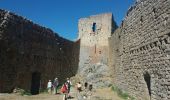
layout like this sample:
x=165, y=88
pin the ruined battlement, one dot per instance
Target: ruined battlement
x=11, y=18
x=95, y=29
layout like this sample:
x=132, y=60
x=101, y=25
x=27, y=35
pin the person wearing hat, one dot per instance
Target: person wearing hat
x=55, y=85
x=49, y=86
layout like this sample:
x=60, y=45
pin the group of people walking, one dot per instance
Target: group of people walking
x=84, y=92
x=65, y=89
x=53, y=86
x=87, y=87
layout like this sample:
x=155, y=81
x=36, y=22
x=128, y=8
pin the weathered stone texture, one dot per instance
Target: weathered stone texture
x=93, y=33
x=27, y=49
x=139, y=51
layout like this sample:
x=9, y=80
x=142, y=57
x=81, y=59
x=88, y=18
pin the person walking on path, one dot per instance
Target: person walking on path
x=85, y=86
x=90, y=87
x=68, y=86
x=55, y=85
x=79, y=87
x=49, y=86
x=64, y=90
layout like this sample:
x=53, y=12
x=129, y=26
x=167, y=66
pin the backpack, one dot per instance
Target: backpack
x=64, y=88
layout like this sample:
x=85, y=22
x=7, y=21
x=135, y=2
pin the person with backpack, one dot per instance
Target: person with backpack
x=55, y=85
x=64, y=90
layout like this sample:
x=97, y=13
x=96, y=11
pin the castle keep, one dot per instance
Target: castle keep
x=135, y=56
x=93, y=33
x=94, y=47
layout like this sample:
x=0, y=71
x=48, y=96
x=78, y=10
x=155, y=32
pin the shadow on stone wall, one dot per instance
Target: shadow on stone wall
x=141, y=44
x=27, y=48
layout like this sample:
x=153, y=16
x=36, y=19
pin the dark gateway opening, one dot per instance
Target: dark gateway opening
x=35, y=84
x=148, y=82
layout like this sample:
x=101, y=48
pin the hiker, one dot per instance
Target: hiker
x=64, y=90
x=49, y=86
x=89, y=91
x=79, y=87
x=90, y=87
x=86, y=85
x=55, y=85
x=68, y=86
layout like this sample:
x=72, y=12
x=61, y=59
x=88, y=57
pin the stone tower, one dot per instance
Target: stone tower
x=93, y=34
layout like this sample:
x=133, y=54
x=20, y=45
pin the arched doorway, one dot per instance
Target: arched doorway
x=35, y=84
x=147, y=79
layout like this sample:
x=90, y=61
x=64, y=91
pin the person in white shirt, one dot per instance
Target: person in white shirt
x=49, y=86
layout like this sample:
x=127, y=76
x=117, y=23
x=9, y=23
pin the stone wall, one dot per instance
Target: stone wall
x=30, y=54
x=140, y=51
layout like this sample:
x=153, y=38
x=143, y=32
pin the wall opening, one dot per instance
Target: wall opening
x=154, y=10
x=95, y=48
x=94, y=27
x=141, y=19
x=35, y=84
x=148, y=82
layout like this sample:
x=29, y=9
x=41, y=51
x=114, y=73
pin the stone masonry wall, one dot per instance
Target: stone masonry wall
x=93, y=34
x=94, y=44
x=140, y=51
x=30, y=55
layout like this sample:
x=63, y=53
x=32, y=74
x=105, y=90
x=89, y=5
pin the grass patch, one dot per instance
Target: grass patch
x=122, y=94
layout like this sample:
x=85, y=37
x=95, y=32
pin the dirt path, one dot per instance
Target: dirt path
x=99, y=94
x=34, y=97
x=106, y=94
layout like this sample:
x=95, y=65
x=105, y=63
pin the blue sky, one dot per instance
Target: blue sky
x=62, y=15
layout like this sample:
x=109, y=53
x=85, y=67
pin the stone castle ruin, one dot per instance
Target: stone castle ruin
x=30, y=54
x=135, y=56
x=94, y=32
x=140, y=51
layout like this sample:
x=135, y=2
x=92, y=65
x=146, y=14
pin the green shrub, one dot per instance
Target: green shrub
x=121, y=93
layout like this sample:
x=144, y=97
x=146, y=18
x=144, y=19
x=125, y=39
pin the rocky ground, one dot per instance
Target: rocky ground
x=99, y=94
x=97, y=74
